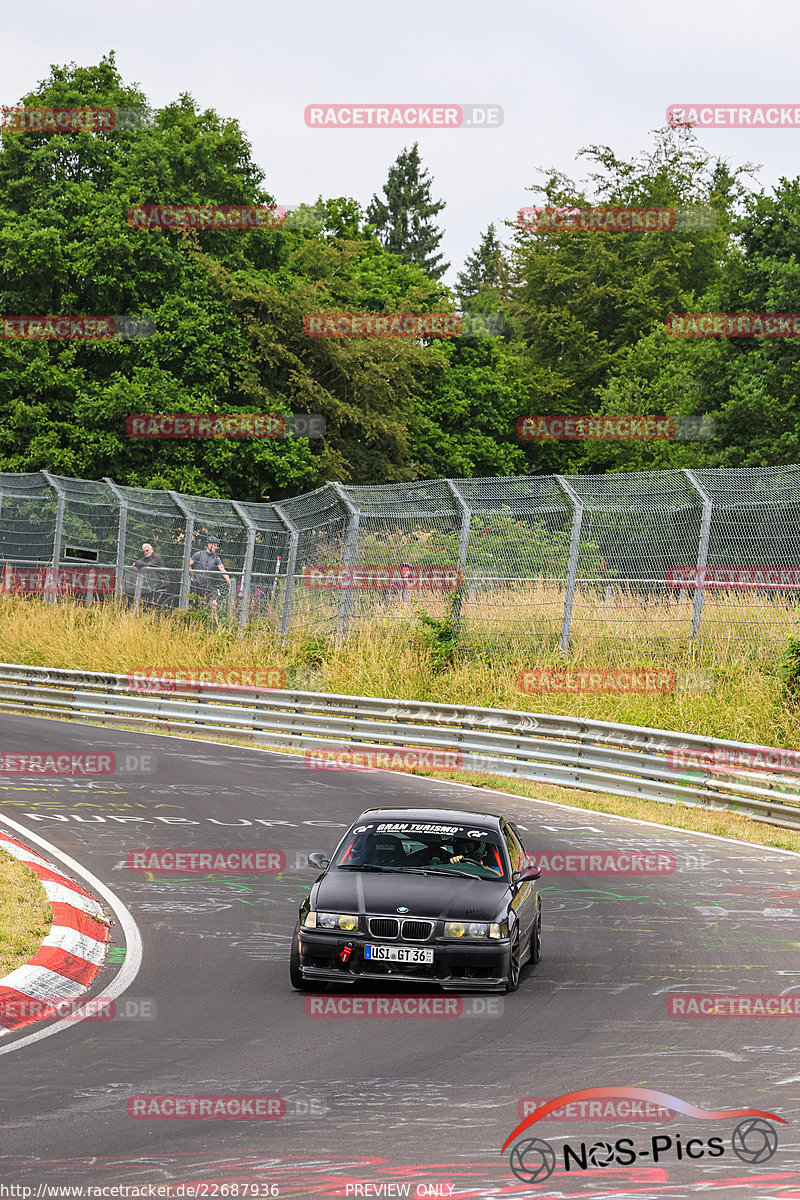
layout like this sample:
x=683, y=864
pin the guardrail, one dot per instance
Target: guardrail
x=625, y=760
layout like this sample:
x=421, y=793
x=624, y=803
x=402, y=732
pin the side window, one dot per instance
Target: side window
x=515, y=851
x=518, y=836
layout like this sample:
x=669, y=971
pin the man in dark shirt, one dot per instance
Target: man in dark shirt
x=203, y=564
x=151, y=565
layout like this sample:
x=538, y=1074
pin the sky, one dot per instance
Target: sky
x=565, y=75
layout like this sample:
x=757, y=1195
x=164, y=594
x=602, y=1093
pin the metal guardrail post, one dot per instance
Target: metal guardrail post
x=702, y=548
x=572, y=565
x=122, y=533
x=463, y=548
x=351, y=551
x=247, y=573
x=50, y=594
x=183, y=598
x=291, y=565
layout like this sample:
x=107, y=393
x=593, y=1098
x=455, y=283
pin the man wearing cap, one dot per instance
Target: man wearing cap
x=202, y=564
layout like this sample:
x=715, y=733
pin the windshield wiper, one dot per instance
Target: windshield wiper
x=366, y=867
x=458, y=874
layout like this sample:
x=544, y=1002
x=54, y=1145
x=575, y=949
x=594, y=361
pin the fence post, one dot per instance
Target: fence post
x=291, y=565
x=702, y=548
x=122, y=533
x=183, y=598
x=58, y=534
x=463, y=548
x=351, y=550
x=572, y=565
x=247, y=573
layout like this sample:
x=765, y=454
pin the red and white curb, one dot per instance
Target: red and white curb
x=70, y=956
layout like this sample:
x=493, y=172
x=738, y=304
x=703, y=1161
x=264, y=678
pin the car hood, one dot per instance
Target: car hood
x=432, y=896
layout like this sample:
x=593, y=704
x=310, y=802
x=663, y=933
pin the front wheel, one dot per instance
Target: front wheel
x=512, y=979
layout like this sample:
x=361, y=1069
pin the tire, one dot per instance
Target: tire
x=514, y=964
x=295, y=973
x=536, y=939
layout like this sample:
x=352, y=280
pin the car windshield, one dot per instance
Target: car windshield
x=453, y=850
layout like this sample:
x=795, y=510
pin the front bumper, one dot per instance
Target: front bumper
x=456, y=967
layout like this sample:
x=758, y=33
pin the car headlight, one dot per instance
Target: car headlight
x=472, y=929
x=321, y=920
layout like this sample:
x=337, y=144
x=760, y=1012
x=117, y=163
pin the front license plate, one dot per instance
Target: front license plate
x=405, y=954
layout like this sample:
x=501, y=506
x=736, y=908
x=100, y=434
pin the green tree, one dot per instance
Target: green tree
x=747, y=386
x=584, y=300
x=228, y=309
x=479, y=284
x=404, y=222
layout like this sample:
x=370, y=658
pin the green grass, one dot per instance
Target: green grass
x=25, y=913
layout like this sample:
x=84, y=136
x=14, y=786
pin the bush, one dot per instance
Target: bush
x=790, y=670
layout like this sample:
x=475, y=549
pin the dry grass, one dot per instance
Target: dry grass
x=25, y=913
x=390, y=656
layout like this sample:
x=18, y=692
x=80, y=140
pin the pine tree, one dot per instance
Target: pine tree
x=481, y=269
x=404, y=223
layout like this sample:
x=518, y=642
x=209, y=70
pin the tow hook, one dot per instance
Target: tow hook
x=345, y=952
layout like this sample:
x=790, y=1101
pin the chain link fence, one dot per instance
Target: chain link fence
x=544, y=559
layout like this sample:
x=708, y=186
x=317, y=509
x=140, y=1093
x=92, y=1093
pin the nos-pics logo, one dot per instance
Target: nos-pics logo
x=533, y=1160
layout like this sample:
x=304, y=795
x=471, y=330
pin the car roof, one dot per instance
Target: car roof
x=433, y=815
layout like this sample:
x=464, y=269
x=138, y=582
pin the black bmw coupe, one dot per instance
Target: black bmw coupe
x=421, y=896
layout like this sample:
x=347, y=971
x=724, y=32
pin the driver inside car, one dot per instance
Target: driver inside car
x=478, y=852
x=456, y=851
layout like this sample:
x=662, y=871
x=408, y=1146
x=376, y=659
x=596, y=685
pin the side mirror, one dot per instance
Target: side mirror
x=318, y=859
x=525, y=874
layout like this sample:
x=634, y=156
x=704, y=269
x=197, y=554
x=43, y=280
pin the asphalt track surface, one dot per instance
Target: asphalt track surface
x=422, y=1104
